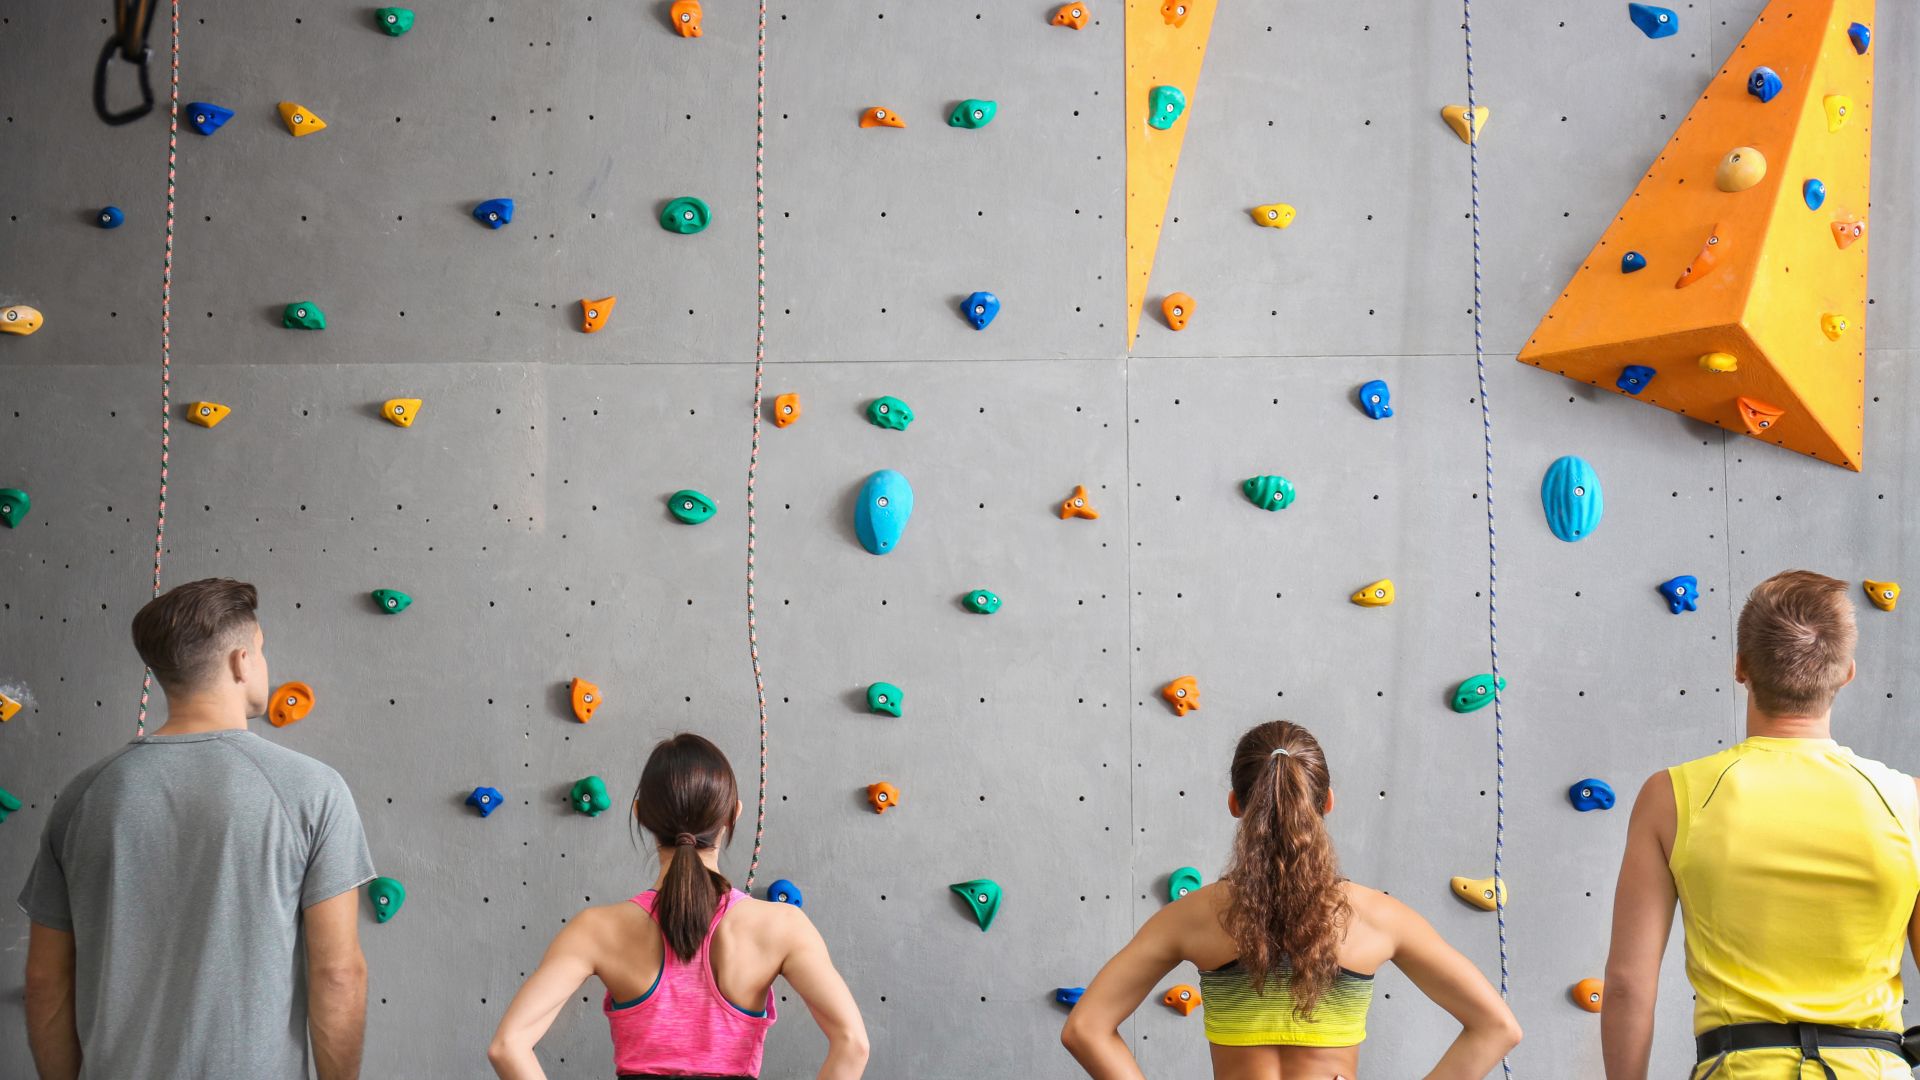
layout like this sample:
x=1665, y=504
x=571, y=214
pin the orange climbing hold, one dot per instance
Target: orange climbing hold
x=1847, y=230
x=786, y=409
x=1756, y=415
x=1077, y=505
x=881, y=116
x=1178, y=308
x=883, y=796
x=1703, y=263
x=290, y=703
x=1183, y=694
x=1071, y=16
x=1182, y=999
x=206, y=413
x=1587, y=994
x=9, y=708
x=299, y=120
x=586, y=699
x=686, y=17
x=1175, y=12
x=593, y=313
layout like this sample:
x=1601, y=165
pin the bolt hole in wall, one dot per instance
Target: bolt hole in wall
x=1219, y=457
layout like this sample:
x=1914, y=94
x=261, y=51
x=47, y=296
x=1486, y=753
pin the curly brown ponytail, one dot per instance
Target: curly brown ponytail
x=1286, y=905
x=687, y=799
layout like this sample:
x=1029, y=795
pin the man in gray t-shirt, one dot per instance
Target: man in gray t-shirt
x=194, y=902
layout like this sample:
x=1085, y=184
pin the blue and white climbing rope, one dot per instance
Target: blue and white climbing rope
x=753, y=459
x=1493, y=547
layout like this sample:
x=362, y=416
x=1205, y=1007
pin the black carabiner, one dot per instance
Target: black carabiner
x=132, y=20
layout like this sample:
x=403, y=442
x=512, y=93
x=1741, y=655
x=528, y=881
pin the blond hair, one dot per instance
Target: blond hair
x=1796, y=642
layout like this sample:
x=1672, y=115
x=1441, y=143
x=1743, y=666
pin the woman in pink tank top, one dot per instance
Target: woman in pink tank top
x=689, y=964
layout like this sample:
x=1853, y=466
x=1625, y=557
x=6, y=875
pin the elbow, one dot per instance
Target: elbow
x=347, y=975
x=1075, y=1036
x=500, y=1051
x=1509, y=1034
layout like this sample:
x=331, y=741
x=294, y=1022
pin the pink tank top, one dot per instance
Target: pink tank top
x=684, y=1025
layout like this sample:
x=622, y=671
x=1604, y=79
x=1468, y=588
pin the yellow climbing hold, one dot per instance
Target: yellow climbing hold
x=300, y=120
x=401, y=411
x=1456, y=118
x=1833, y=325
x=20, y=319
x=1273, y=215
x=1378, y=594
x=9, y=708
x=1884, y=594
x=1480, y=892
x=1719, y=361
x=1838, y=106
x=206, y=413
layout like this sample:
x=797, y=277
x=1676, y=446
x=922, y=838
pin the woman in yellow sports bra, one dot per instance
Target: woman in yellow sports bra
x=1286, y=947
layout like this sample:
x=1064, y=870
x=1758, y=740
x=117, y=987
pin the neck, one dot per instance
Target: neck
x=1788, y=727
x=710, y=857
x=197, y=714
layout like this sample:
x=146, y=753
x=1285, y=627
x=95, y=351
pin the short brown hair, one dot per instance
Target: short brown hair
x=185, y=632
x=1796, y=642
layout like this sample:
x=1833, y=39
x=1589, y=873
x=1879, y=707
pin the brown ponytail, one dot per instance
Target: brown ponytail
x=687, y=799
x=1285, y=902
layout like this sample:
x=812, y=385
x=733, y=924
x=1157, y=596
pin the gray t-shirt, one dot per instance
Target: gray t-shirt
x=181, y=865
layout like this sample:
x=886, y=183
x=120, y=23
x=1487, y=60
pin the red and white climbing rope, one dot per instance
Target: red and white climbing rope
x=166, y=342
x=753, y=459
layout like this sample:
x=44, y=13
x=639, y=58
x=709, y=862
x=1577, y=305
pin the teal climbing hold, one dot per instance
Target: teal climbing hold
x=1570, y=495
x=394, y=20
x=972, y=113
x=392, y=601
x=8, y=804
x=884, y=697
x=589, y=796
x=14, y=505
x=1184, y=880
x=1268, y=492
x=1164, y=106
x=890, y=413
x=685, y=215
x=1475, y=693
x=690, y=506
x=387, y=895
x=982, y=602
x=303, y=315
x=983, y=896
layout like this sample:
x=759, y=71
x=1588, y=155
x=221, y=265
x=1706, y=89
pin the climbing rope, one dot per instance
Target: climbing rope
x=753, y=459
x=1493, y=547
x=166, y=345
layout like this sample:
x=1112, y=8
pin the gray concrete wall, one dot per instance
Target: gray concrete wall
x=524, y=511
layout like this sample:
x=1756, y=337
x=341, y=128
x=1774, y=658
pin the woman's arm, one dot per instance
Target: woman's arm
x=810, y=971
x=1487, y=1027
x=568, y=964
x=1092, y=1032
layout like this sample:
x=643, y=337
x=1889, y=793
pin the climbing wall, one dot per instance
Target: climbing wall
x=525, y=510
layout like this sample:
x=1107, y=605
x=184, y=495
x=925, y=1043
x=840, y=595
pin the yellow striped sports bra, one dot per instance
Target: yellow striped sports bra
x=1237, y=1016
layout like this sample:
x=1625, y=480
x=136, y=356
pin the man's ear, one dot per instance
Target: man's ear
x=1739, y=671
x=1853, y=668
x=237, y=664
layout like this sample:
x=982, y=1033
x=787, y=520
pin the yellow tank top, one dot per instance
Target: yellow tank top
x=1797, y=869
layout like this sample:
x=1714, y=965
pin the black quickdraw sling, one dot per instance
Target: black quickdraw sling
x=131, y=20
x=1809, y=1039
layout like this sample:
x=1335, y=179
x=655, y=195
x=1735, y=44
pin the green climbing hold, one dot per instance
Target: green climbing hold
x=1475, y=693
x=1164, y=106
x=690, y=506
x=890, y=413
x=14, y=505
x=1184, y=880
x=392, y=601
x=982, y=602
x=685, y=215
x=589, y=796
x=1269, y=492
x=884, y=697
x=394, y=20
x=303, y=315
x=8, y=804
x=972, y=113
x=983, y=896
x=387, y=895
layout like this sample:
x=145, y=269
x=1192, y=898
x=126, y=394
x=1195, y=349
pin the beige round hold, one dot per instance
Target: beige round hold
x=1742, y=168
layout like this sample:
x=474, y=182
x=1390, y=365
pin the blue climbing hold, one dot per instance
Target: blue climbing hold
x=1591, y=794
x=1632, y=261
x=206, y=118
x=1815, y=192
x=111, y=217
x=980, y=309
x=1634, y=378
x=1682, y=593
x=1655, y=22
x=786, y=892
x=486, y=800
x=886, y=502
x=1861, y=36
x=494, y=212
x=1069, y=995
x=1570, y=494
x=1764, y=83
x=1377, y=399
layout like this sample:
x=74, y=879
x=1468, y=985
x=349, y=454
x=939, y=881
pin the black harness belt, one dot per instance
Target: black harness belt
x=1809, y=1039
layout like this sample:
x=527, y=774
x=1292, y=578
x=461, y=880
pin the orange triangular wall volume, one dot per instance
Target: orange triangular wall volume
x=1166, y=43
x=1777, y=270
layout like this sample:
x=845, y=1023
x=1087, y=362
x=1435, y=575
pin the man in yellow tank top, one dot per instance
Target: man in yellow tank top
x=1796, y=866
